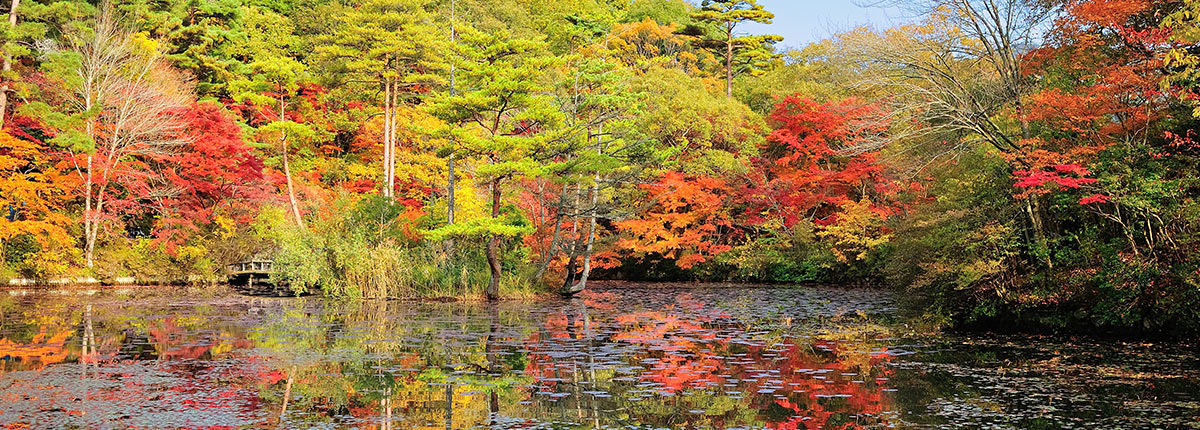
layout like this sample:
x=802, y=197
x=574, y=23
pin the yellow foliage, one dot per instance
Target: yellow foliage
x=857, y=232
x=33, y=190
x=143, y=44
x=1182, y=60
x=645, y=44
x=191, y=252
x=226, y=226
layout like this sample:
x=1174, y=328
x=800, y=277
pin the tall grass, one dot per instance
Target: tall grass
x=366, y=249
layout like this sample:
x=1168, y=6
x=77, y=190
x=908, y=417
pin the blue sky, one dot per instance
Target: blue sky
x=802, y=22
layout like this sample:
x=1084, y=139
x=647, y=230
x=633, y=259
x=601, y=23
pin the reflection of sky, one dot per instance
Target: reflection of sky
x=802, y=22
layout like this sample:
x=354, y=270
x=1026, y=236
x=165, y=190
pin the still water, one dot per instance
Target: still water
x=627, y=358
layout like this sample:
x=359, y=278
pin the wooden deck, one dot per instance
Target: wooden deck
x=253, y=278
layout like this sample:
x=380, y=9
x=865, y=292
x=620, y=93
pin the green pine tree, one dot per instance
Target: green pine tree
x=741, y=54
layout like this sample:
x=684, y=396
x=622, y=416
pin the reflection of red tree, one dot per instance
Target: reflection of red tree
x=689, y=347
x=669, y=337
x=170, y=342
x=174, y=343
x=543, y=367
x=195, y=388
x=818, y=383
x=595, y=300
x=825, y=386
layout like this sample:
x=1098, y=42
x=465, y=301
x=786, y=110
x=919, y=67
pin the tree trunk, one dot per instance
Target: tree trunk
x=1033, y=208
x=387, y=137
x=573, y=250
x=1025, y=130
x=7, y=67
x=287, y=393
x=587, y=252
x=729, y=63
x=552, y=250
x=556, y=238
x=89, y=215
x=287, y=173
x=493, y=247
x=287, y=169
x=94, y=233
x=449, y=404
x=450, y=186
x=592, y=214
x=392, y=145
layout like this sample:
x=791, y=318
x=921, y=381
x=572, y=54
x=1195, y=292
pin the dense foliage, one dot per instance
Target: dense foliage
x=1014, y=159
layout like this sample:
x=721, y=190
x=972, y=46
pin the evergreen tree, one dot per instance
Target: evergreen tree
x=504, y=116
x=389, y=50
x=741, y=54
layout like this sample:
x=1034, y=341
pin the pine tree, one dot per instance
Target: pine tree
x=741, y=54
x=391, y=50
x=504, y=117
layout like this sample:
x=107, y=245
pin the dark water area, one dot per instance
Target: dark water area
x=671, y=358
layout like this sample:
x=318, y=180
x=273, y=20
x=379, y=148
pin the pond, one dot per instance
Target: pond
x=627, y=357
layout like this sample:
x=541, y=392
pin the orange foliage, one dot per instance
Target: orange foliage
x=44, y=348
x=32, y=193
x=688, y=222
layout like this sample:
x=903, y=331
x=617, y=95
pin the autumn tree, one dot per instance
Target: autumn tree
x=741, y=53
x=121, y=102
x=1114, y=54
x=688, y=221
x=961, y=67
x=32, y=195
x=1183, y=60
x=820, y=157
x=962, y=75
x=1101, y=167
x=194, y=192
x=645, y=44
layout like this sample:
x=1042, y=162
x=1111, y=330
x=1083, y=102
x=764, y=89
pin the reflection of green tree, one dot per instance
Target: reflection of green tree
x=351, y=358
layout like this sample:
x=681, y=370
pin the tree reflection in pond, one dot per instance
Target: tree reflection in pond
x=655, y=358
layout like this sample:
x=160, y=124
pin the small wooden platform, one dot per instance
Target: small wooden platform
x=253, y=277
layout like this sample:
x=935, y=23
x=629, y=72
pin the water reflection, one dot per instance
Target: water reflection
x=657, y=358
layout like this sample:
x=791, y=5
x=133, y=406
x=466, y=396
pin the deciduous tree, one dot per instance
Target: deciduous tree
x=214, y=177
x=688, y=221
x=122, y=103
x=32, y=194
